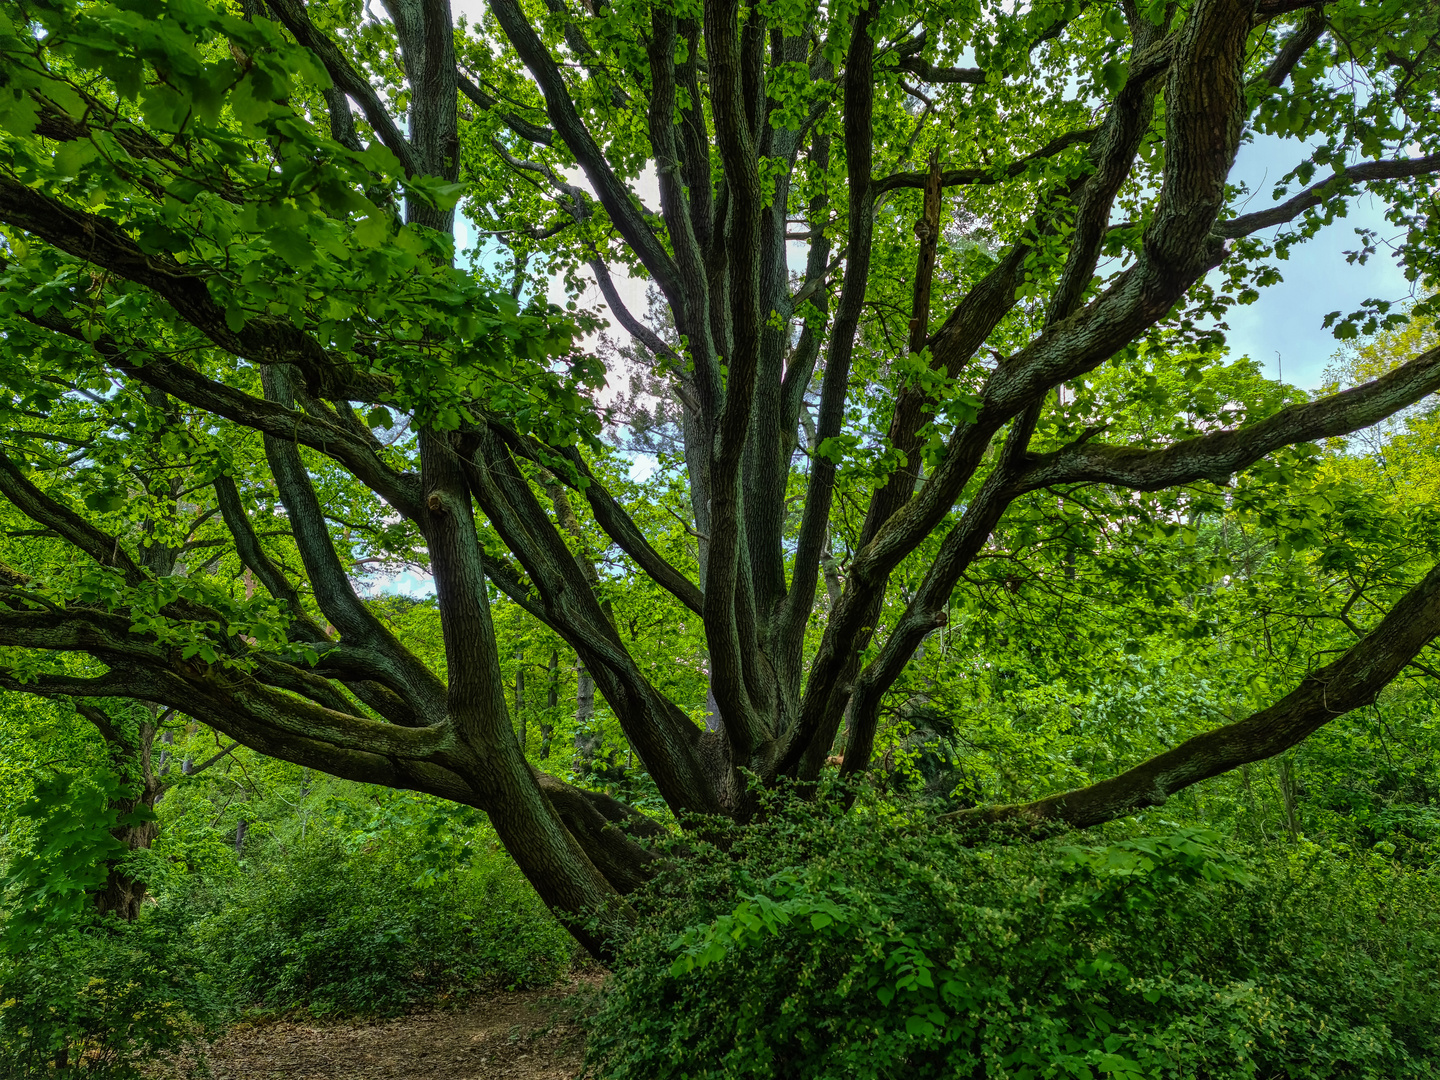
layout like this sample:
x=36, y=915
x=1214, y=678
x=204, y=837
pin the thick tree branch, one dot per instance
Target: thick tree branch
x=534, y=133
x=731, y=633
x=1307, y=33
x=1351, y=682
x=664, y=738
x=665, y=139
x=333, y=592
x=834, y=387
x=476, y=689
x=265, y=339
x=356, y=453
x=613, y=195
x=64, y=522
x=253, y=556
x=609, y=514
x=1219, y=455
x=982, y=174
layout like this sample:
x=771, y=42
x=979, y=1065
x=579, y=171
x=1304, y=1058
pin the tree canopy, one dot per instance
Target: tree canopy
x=939, y=301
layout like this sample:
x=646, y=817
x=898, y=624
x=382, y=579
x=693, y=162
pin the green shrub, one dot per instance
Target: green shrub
x=82, y=995
x=823, y=946
x=336, y=931
x=99, y=1001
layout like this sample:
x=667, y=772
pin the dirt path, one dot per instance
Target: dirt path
x=503, y=1036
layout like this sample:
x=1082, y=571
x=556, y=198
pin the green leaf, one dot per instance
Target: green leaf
x=373, y=230
x=73, y=156
x=104, y=502
x=293, y=246
x=19, y=112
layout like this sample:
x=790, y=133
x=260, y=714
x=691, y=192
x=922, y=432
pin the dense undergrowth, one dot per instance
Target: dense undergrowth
x=874, y=944
x=340, y=919
x=826, y=946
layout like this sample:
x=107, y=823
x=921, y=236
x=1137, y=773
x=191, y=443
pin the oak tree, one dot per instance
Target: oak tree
x=891, y=242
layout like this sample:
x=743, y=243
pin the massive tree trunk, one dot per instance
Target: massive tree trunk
x=758, y=126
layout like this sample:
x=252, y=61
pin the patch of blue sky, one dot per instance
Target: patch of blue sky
x=1285, y=329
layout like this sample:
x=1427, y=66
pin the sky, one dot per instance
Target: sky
x=1284, y=329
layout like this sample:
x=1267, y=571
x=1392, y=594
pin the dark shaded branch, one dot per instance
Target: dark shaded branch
x=1219, y=455
x=425, y=32
x=730, y=621
x=265, y=339
x=272, y=722
x=664, y=737
x=675, y=203
x=1269, y=8
x=941, y=76
x=1336, y=184
x=606, y=829
x=507, y=579
x=613, y=194
x=64, y=522
x=476, y=689
x=800, y=367
x=534, y=133
x=333, y=592
x=356, y=453
x=296, y=19
x=1310, y=30
x=986, y=174
x=609, y=514
x=247, y=546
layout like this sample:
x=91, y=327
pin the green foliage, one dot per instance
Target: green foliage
x=371, y=930
x=52, y=882
x=823, y=946
x=103, y=998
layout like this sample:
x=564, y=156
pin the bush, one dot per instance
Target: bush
x=336, y=931
x=82, y=995
x=817, y=945
x=98, y=1002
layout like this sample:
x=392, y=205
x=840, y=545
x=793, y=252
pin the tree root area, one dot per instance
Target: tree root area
x=531, y=1035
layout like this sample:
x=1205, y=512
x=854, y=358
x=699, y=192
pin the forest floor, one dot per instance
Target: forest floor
x=507, y=1035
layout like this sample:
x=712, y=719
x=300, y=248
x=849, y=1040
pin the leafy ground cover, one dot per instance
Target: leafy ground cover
x=878, y=945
